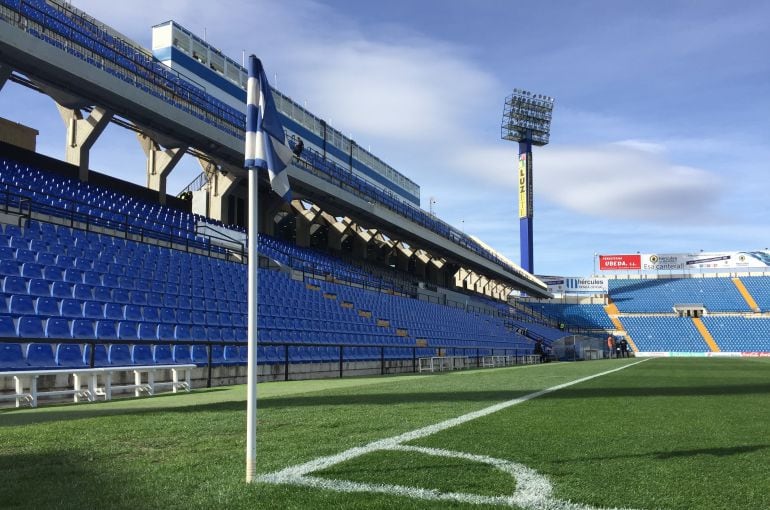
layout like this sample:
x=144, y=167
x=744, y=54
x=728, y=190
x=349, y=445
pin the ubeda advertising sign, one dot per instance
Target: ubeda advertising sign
x=620, y=262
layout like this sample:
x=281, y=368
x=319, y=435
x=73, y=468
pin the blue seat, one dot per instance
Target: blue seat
x=39, y=288
x=114, y=311
x=57, y=327
x=183, y=316
x=213, y=334
x=199, y=355
x=119, y=355
x=105, y=330
x=14, y=285
x=61, y=289
x=69, y=355
x=127, y=330
x=161, y=355
x=51, y=273
x=93, y=310
x=73, y=275
x=232, y=354
x=150, y=314
x=31, y=270
x=182, y=333
x=83, y=329
x=103, y=294
x=148, y=331
x=141, y=354
x=9, y=268
x=30, y=327
x=72, y=308
x=7, y=327
x=21, y=305
x=217, y=355
x=83, y=291
x=182, y=355
x=12, y=357
x=24, y=255
x=40, y=356
x=121, y=296
x=198, y=333
x=133, y=313
x=100, y=356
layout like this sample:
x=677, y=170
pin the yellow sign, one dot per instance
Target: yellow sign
x=524, y=184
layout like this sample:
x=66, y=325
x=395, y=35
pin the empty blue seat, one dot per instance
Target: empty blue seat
x=198, y=333
x=127, y=330
x=100, y=357
x=21, y=305
x=69, y=355
x=39, y=288
x=148, y=331
x=40, y=356
x=24, y=255
x=119, y=355
x=57, y=327
x=73, y=275
x=141, y=355
x=121, y=296
x=83, y=329
x=161, y=355
x=9, y=268
x=11, y=356
x=7, y=327
x=183, y=316
x=114, y=311
x=72, y=308
x=182, y=333
x=105, y=330
x=93, y=310
x=30, y=327
x=14, y=285
x=83, y=291
x=150, y=314
x=103, y=294
x=53, y=273
x=199, y=355
x=61, y=289
x=31, y=270
x=181, y=353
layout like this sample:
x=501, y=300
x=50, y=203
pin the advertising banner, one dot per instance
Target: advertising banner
x=525, y=186
x=685, y=262
x=575, y=285
x=620, y=262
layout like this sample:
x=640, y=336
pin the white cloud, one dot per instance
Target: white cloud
x=630, y=180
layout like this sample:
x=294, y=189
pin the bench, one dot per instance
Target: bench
x=86, y=382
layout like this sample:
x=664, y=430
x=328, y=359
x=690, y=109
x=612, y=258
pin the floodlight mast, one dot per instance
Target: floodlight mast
x=526, y=120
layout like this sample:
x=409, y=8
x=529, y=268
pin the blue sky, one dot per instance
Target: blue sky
x=660, y=139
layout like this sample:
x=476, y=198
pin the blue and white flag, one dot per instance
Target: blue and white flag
x=266, y=147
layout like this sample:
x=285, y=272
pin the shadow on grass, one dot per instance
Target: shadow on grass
x=727, y=451
x=85, y=411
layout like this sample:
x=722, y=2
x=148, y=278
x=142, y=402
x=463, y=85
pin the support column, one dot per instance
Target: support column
x=5, y=73
x=160, y=163
x=403, y=256
x=336, y=232
x=82, y=134
x=526, y=214
x=220, y=182
x=361, y=240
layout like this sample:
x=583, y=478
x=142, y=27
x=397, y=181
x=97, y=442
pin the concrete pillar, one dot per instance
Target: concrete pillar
x=5, y=73
x=403, y=256
x=82, y=134
x=221, y=181
x=361, y=239
x=160, y=163
x=336, y=231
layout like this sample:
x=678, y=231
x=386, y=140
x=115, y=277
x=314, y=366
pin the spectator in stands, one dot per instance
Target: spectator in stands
x=610, y=345
x=298, y=147
x=624, y=348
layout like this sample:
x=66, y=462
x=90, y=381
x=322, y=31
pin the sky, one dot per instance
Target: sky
x=660, y=140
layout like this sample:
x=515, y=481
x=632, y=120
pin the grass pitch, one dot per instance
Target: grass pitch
x=668, y=433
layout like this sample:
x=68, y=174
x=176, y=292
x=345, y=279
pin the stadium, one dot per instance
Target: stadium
x=377, y=355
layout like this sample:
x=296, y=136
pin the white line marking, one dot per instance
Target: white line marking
x=533, y=490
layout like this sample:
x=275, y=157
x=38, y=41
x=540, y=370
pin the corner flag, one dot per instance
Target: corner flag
x=266, y=147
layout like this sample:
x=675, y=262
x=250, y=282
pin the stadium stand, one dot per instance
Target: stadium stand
x=662, y=294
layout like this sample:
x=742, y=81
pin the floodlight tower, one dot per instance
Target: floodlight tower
x=527, y=120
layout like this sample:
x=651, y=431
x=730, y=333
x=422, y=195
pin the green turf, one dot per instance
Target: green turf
x=672, y=433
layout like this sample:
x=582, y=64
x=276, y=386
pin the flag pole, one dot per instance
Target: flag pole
x=251, y=378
